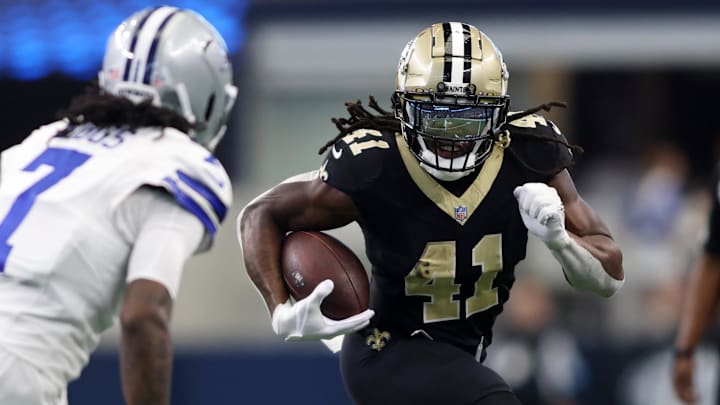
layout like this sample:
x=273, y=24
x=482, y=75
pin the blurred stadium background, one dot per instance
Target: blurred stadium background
x=642, y=79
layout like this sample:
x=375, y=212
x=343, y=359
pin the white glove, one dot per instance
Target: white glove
x=304, y=321
x=543, y=213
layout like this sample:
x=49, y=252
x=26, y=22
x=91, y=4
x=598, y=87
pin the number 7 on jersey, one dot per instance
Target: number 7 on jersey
x=63, y=162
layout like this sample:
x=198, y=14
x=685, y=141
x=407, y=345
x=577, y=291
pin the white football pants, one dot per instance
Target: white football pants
x=23, y=384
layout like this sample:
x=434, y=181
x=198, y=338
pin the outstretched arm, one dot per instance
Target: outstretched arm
x=575, y=235
x=701, y=297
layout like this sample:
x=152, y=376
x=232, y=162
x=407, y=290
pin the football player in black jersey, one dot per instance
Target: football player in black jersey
x=701, y=298
x=445, y=189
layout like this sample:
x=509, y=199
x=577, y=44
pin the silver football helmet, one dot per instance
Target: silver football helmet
x=451, y=92
x=177, y=59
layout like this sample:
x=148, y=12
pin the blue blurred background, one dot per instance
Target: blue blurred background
x=43, y=37
x=642, y=79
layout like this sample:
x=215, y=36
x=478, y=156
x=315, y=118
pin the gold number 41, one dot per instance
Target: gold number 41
x=357, y=147
x=434, y=276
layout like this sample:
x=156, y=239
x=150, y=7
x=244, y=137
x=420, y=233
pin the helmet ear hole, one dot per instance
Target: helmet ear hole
x=171, y=100
x=209, y=108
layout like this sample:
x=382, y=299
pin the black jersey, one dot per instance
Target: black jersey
x=442, y=258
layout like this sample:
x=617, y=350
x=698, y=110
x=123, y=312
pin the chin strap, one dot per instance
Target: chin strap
x=426, y=155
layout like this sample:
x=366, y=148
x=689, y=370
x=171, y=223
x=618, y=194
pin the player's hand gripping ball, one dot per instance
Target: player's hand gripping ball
x=311, y=257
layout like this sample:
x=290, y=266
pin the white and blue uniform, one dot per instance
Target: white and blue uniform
x=81, y=216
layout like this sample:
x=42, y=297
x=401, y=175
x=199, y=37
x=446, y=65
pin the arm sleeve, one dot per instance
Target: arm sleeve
x=163, y=236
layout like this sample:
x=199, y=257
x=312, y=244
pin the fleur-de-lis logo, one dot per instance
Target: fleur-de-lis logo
x=377, y=340
x=322, y=172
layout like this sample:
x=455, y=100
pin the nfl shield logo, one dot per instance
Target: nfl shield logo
x=461, y=213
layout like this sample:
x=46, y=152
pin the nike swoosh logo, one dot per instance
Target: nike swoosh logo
x=336, y=153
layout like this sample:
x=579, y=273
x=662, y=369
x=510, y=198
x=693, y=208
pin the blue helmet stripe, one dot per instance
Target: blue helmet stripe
x=217, y=204
x=190, y=205
x=133, y=43
x=153, y=48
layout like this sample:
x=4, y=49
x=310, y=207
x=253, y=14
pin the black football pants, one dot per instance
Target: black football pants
x=418, y=371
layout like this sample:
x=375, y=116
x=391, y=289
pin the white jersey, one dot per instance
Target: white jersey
x=63, y=258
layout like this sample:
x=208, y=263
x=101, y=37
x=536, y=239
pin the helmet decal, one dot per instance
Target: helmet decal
x=145, y=38
x=150, y=61
x=130, y=54
x=458, y=53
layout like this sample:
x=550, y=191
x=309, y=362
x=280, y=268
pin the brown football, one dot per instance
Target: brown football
x=311, y=257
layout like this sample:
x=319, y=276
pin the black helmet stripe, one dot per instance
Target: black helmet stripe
x=133, y=43
x=447, y=68
x=149, y=65
x=467, y=53
x=458, y=53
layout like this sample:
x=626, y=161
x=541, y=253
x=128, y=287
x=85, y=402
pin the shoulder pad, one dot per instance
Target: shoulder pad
x=537, y=124
x=33, y=144
x=356, y=159
x=43, y=134
x=195, y=178
x=539, y=144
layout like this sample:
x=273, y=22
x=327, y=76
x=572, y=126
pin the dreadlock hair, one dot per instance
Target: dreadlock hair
x=383, y=120
x=103, y=109
x=362, y=118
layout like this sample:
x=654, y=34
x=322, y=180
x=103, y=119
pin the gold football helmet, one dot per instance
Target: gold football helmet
x=451, y=92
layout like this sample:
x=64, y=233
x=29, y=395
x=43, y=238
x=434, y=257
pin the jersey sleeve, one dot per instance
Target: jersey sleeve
x=163, y=236
x=195, y=178
x=539, y=145
x=202, y=188
x=712, y=244
x=355, y=161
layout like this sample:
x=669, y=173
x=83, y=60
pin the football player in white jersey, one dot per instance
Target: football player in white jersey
x=100, y=210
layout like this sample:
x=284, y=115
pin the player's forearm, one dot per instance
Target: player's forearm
x=585, y=263
x=701, y=296
x=606, y=251
x=261, y=240
x=146, y=362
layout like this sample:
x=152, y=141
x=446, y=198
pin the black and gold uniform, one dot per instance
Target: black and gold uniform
x=443, y=256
